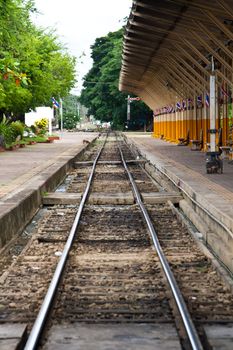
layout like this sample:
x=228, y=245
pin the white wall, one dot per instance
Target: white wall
x=39, y=113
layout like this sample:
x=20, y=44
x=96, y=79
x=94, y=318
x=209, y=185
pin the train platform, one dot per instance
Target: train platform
x=20, y=166
x=210, y=195
x=27, y=171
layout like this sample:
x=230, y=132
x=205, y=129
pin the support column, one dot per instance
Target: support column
x=225, y=122
x=194, y=121
x=213, y=112
x=205, y=125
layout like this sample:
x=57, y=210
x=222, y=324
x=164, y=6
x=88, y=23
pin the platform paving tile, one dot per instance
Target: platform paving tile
x=189, y=169
x=12, y=336
x=183, y=158
x=18, y=168
x=220, y=337
x=113, y=336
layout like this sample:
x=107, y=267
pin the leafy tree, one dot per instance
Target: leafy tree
x=100, y=93
x=33, y=64
x=70, y=111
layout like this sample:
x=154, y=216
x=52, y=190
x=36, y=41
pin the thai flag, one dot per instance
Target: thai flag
x=207, y=100
x=199, y=100
x=170, y=109
x=55, y=103
x=190, y=102
x=224, y=91
x=178, y=105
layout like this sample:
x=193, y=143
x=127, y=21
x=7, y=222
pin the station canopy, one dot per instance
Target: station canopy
x=169, y=47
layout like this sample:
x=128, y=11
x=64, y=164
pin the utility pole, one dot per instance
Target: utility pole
x=128, y=108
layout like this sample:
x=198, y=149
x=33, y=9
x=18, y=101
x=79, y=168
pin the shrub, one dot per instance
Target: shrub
x=41, y=125
x=17, y=129
x=6, y=131
x=69, y=121
x=34, y=129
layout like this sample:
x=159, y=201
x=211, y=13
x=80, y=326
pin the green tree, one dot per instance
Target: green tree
x=70, y=111
x=33, y=65
x=100, y=93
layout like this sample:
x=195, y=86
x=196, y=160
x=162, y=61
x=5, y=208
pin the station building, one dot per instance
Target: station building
x=172, y=51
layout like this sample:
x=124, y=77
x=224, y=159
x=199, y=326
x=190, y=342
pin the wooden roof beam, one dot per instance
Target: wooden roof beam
x=214, y=38
x=219, y=24
x=189, y=15
x=183, y=73
x=197, y=52
x=150, y=28
x=175, y=85
x=212, y=51
x=193, y=71
x=190, y=57
x=131, y=45
x=180, y=77
x=199, y=5
x=226, y=7
x=149, y=35
x=139, y=41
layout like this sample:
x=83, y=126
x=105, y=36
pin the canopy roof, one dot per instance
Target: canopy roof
x=169, y=45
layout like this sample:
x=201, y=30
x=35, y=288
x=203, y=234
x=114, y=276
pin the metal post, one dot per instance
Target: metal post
x=50, y=123
x=61, y=116
x=128, y=108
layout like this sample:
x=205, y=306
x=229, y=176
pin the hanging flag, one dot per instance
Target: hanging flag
x=199, y=100
x=224, y=91
x=207, y=100
x=178, y=106
x=55, y=103
x=190, y=102
x=183, y=104
x=156, y=112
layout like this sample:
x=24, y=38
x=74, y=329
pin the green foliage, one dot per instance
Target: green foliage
x=38, y=139
x=70, y=112
x=100, y=94
x=42, y=123
x=70, y=121
x=70, y=105
x=6, y=131
x=17, y=129
x=33, y=65
x=41, y=126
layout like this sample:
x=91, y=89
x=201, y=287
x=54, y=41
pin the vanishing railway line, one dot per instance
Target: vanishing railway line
x=113, y=274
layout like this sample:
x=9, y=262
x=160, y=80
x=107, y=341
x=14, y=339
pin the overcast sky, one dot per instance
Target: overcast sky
x=79, y=22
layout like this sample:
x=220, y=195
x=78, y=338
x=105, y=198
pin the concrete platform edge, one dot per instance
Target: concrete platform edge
x=219, y=239
x=18, y=209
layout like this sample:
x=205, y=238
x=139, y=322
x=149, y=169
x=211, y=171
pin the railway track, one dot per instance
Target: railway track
x=113, y=277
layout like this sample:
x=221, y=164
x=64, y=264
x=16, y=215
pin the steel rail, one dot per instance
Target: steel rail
x=47, y=302
x=184, y=313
